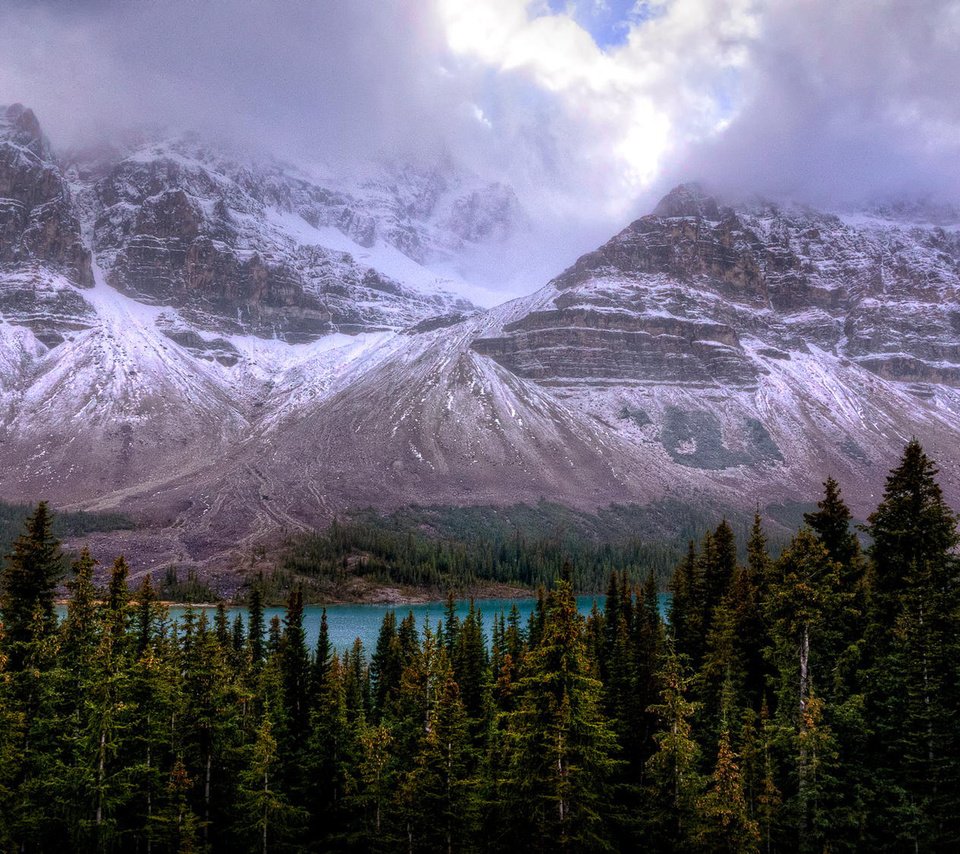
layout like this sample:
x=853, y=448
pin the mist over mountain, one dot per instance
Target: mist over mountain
x=589, y=117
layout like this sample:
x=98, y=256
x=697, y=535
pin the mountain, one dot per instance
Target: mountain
x=229, y=348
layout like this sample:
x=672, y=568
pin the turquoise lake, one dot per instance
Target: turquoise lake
x=347, y=622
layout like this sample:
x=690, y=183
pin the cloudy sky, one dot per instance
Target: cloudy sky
x=589, y=108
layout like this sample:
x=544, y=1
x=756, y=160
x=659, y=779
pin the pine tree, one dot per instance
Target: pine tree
x=151, y=740
x=41, y=811
x=146, y=615
x=437, y=789
x=79, y=633
x=913, y=686
x=386, y=664
x=687, y=608
x=321, y=660
x=832, y=524
x=221, y=623
x=208, y=728
x=176, y=827
x=750, y=595
x=803, y=597
x=295, y=667
x=256, y=630
x=728, y=826
x=108, y=715
x=472, y=673
x=27, y=583
x=648, y=645
x=333, y=756
x=560, y=746
x=357, y=682
x=451, y=623
x=376, y=776
x=913, y=530
x=269, y=818
x=675, y=784
x=719, y=566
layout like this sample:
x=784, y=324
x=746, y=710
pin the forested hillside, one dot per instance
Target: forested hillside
x=407, y=557
x=805, y=703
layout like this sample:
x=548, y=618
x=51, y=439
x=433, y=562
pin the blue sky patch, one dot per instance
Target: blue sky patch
x=607, y=21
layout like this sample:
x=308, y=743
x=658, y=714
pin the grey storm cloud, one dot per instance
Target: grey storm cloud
x=844, y=103
x=317, y=74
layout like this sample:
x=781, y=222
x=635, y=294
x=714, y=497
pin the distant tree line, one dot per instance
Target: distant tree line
x=347, y=550
x=806, y=703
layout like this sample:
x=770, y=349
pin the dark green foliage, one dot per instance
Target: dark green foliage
x=13, y=517
x=808, y=702
x=832, y=524
x=558, y=745
x=256, y=630
x=401, y=556
x=27, y=583
x=190, y=590
x=913, y=643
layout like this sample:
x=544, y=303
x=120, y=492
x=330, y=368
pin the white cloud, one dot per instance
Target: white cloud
x=627, y=108
x=844, y=102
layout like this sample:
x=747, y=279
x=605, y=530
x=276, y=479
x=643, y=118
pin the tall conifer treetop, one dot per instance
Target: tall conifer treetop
x=28, y=581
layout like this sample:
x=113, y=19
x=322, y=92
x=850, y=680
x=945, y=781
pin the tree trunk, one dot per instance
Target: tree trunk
x=449, y=796
x=100, y=773
x=802, y=771
x=926, y=701
x=561, y=773
x=206, y=797
x=149, y=794
x=266, y=795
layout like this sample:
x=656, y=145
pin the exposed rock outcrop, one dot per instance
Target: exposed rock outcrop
x=672, y=298
x=37, y=221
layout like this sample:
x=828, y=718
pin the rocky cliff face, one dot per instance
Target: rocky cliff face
x=697, y=293
x=40, y=241
x=252, y=247
x=37, y=221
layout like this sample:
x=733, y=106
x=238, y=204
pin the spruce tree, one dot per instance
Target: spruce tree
x=675, y=785
x=27, y=583
x=386, y=664
x=333, y=755
x=832, y=524
x=719, y=566
x=727, y=822
x=295, y=669
x=321, y=660
x=913, y=688
x=256, y=630
x=803, y=595
x=437, y=791
x=687, y=608
x=268, y=817
x=472, y=673
x=560, y=747
x=145, y=615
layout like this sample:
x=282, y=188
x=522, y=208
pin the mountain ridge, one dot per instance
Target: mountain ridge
x=228, y=372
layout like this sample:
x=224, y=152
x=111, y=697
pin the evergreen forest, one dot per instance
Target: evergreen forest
x=808, y=702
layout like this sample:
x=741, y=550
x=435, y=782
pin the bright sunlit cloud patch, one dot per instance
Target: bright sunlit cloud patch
x=631, y=101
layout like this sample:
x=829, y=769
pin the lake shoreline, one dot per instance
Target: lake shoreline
x=381, y=595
